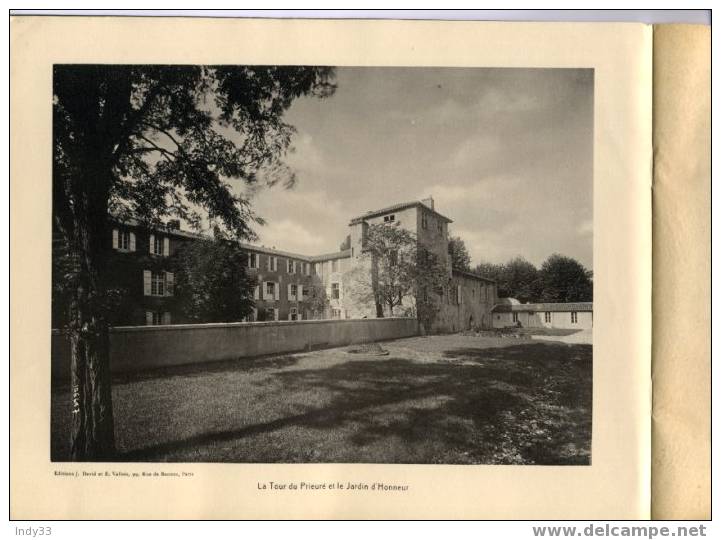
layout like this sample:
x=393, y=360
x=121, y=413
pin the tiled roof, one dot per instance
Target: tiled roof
x=472, y=275
x=273, y=251
x=547, y=306
x=394, y=208
x=329, y=256
x=198, y=236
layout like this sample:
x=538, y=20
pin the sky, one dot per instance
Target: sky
x=507, y=154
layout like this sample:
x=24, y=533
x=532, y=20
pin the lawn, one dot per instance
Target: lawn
x=438, y=399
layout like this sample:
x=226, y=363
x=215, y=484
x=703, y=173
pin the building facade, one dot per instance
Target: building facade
x=572, y=315
x=290, y=286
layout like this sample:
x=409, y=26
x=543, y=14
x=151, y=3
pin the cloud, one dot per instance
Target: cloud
x=305, y=155
x=585, y=228
x=290, y=235
x=305, y=222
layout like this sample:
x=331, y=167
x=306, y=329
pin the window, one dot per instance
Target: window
x=335, y=313
x=272, y=263
x=515, y=317
x=335, y=291
x=291, y=267
x=292, y=291
x=253, y=260
x=424, y=220
x=157, y=283
x=155, y=318
x=157, y=246
x=270, y=290
x=389, y=219
x=293, y=315
x=123, y=240
x=547, y=317
x=574, y=317
x=439, y=224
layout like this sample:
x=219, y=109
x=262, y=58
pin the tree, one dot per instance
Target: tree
x=154, y=141
x=564, y=279
x=210, y=281
x=517, y=278
x=459, y=253
x=317, y=301
x=345, y=244
x=428, y=275
x=395, y=271
x=521, y=280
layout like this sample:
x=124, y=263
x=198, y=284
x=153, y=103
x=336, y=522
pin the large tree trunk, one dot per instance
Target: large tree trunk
x=92, y=432
x=92, y=428
x=374, y=285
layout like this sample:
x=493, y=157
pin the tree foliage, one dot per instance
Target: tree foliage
x=345, y=244
x=517, y=278
x=317, y=302
x=153, y=141
x=396, y=272
x=210, y=281
x=564, y=279
x=560, y=279
x=429, y=275
x=459, y=253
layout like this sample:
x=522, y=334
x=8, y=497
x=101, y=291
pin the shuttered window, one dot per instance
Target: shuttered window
x=155, y=318
x=123, y=240
x=156, y=245
x=158, y=283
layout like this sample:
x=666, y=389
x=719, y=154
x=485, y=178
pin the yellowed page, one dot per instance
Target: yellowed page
x=615, y=485
x=682, y=273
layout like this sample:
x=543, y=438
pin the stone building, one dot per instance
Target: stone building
x=290, y=286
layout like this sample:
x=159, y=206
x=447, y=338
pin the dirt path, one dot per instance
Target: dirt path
x=584, y=336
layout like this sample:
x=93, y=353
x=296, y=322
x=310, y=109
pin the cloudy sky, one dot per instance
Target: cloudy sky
x=507, y=154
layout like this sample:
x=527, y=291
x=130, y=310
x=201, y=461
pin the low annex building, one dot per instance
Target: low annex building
x=571, y=315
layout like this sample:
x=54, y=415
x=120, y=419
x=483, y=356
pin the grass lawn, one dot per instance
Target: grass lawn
x=438, y=399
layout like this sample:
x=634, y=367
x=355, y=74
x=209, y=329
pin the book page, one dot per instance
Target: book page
x=681, y=468
x=580, y=166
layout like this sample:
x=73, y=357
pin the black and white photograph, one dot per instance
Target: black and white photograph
x=322, y=264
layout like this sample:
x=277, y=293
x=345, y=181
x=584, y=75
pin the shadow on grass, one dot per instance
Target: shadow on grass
x=519, y=404
x=238, y=365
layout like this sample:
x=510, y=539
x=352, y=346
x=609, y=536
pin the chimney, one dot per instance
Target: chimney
x=173, y=224
x=429, y=203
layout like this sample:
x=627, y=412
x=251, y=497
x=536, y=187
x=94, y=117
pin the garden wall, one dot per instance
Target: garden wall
x=144, y=347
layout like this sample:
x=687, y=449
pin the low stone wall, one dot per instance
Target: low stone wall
x=143, y=347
